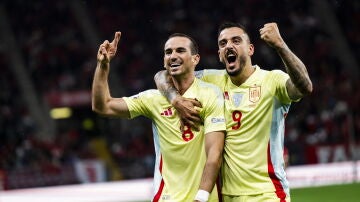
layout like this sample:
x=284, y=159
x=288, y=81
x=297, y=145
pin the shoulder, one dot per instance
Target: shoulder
x=215, y=76
x=145, y=101
x=208, y=86
x=150, y=92
x=278, y=72
x=271, y=74
x=209, y=73
x=278, y=76
x=147, y=94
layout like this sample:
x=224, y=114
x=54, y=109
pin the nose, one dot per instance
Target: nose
x=173, y=56
x=229, y=45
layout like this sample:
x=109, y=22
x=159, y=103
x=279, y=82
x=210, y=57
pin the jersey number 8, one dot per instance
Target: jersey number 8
x=187, y=135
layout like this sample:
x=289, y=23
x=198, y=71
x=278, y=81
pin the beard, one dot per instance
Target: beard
x=242, y=62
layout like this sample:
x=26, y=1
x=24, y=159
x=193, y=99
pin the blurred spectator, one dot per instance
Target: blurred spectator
x=59, y=59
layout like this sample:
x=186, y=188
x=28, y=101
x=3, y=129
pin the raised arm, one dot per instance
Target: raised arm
x=102, y=102
x=299, y=83
x=214, y=145
x=184, y=106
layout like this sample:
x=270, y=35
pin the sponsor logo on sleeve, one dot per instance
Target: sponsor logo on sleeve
x=217, y=120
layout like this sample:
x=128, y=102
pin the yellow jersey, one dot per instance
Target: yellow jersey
x=255, y=112
x=180, y=157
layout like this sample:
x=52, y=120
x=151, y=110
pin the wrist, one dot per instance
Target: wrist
x=103, y=65
x=202, y=196
x=281, y=46
x=174, y=98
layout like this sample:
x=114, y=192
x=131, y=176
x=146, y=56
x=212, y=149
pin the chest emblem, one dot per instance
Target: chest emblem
x=254, y=93
x=237, y=97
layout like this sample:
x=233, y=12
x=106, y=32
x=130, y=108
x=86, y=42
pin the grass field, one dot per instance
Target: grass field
x=334, y=193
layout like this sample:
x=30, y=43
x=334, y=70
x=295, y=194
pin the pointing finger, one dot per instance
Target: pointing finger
x=116, y=38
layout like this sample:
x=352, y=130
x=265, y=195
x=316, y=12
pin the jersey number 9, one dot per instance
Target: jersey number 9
x=236, y=116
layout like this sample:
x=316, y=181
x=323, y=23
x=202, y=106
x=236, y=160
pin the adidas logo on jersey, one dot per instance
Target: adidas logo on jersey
x=167, y=112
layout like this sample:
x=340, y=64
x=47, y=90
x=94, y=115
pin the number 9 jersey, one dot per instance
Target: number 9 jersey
x=255, y=112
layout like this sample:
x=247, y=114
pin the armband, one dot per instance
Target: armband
x=202, y=196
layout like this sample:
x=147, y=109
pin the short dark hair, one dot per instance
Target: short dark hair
x=226, y=25
x=194, y=48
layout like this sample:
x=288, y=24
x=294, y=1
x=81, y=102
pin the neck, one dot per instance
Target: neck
x=243, y=75
x=183, y=83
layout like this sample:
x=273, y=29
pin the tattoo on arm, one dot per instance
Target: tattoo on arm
x=170, y=92
x=166, y=86
x=299, y=83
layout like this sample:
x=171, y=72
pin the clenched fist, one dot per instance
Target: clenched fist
x=271, y=35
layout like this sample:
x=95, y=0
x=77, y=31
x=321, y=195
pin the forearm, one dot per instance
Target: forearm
x=296, y=70
x=100, y=88
x=185, y=107
x=165, y=85
x=210, y=173
x=214, y=146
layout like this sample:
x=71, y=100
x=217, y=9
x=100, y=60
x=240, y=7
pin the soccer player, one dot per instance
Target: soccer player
x=256, y=104
x=187, y=161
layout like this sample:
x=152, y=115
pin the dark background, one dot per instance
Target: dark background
x=48, y=54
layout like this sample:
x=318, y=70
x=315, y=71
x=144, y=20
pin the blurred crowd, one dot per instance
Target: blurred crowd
x=59, y=57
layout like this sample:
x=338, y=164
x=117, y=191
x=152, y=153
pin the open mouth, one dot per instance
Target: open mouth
x=174, y=65
x=230, y=57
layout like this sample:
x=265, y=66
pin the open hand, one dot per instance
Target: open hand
x=188, y=110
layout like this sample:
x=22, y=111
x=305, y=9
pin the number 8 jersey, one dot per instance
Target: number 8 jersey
x=180, y=156
x=254, y=112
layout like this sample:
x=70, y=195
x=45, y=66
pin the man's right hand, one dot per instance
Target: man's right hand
x=108, y=50
x=188, y=110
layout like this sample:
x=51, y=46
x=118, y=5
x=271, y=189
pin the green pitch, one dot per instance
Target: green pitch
x=333, y=193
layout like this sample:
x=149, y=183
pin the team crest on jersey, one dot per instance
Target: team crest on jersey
x=237, y=97
x=254, y=93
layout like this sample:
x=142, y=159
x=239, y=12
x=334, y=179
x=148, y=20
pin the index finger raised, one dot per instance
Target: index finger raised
x=116, y=38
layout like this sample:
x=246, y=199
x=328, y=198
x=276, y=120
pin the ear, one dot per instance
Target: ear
x=164, y=63
x=195, y=59
x=251, y=49
x=220, y=59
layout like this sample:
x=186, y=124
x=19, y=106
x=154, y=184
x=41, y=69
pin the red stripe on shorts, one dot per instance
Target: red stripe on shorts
x=158, y=194
x=279, y=190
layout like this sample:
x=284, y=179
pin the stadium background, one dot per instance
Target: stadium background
x=48, y=56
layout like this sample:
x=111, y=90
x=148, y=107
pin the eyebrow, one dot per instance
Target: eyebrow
x=234, y=37
x=176, y=49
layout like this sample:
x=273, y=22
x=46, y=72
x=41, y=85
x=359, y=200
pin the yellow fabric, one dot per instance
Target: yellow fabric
x=254, y=113
x=265, y=197
x=183, y=156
